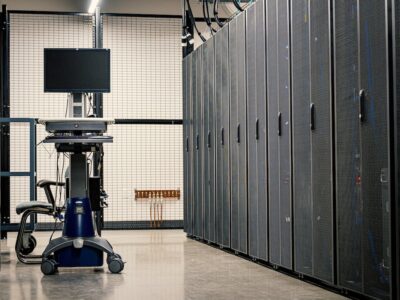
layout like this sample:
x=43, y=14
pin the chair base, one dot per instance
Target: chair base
x=23, y=246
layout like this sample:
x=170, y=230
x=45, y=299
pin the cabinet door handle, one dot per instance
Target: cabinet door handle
x=279, y=123
x=257, y=130
x=197, y=142
x=187, y=144
x=209, y=139
x=222, y=136
x=238, y=134
x=312, y=116
x=361, y=113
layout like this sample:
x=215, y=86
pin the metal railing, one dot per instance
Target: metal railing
x=31, y=173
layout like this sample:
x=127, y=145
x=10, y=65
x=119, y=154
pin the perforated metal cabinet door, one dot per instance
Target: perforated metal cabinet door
x=198, y=174
x=396, y=179
x=185, y=143
x=374, y=148
x=262, y=132
x=273, y=137
x=187, y=124
x=364, y=226
x=223, y=198
x=238, y=133
x=219, y=182
x=256, y=128
x=251, y=52
x=204, y=142
x=234, y=149
x=200, y=153
x=285, y=137
x=347, y=146
x=225, y=98
x=301, y=95
x=321, y=105
x=194, y=137
x=189, y=109
x=211, y=137
x=208, y=143
x=242, y=120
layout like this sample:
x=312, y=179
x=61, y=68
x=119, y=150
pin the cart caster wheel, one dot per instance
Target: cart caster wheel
x=110, y=257
x=116, y=265
x=49, y=267
x=31, y=246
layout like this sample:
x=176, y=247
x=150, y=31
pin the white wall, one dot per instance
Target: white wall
x=145, y=83
x=29, y=34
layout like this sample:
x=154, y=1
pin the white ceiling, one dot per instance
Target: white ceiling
x=165, y=7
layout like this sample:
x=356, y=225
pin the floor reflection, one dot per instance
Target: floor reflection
x=160, y=264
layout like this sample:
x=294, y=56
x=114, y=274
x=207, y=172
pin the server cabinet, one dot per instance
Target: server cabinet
x=197, y=100
x=209, y=140
x=257, y=131
x=238, y=132
x=188, y=144
x=279, y=133
x=396, y=134
x=312, y=139
x=362, y=147
x=222, y=142
x=185, y=141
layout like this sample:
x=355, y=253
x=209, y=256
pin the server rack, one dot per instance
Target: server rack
x=238, y=132
x=257, y=131
x=279, y=133
x=345, y=149
x=188, y=144
x=197, y=105
x=312, y=139
x=185, y=143
x=395, y=207
x=222, y=143
x=209, y=140
x=363, y=185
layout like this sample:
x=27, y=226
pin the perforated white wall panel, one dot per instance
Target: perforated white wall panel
x=29, y=35
x=146, y=67
x=142, y=157
x=146, y=83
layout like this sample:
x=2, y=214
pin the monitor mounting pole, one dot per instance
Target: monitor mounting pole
x=77, y=105
x=78, y=164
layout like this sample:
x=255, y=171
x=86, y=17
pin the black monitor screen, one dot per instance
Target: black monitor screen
x=77, y=70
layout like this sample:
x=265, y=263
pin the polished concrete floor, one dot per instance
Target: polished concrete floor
x=161, y=264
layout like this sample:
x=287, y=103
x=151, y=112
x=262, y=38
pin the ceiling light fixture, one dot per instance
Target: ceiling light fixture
x=93, y=6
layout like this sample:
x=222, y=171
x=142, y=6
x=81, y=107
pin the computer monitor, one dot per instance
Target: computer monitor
x=76, y=70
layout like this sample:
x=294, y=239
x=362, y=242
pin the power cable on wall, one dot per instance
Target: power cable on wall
x=192, y=19
x=206, y=15
x=215, y=12
x=207, y=18
x=237, y=5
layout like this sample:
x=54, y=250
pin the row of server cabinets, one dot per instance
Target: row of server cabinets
x=287, y=126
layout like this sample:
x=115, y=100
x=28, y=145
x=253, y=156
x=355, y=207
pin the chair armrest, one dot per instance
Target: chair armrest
x=43, y=183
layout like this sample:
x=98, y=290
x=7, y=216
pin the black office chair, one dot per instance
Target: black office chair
x=26, y=242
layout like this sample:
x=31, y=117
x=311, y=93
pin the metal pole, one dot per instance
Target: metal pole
x=98, y=108
x=5, y=127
